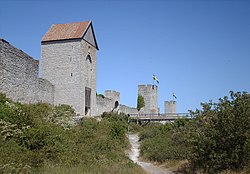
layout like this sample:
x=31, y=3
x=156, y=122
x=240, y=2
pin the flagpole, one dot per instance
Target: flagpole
x=153, y=80
x=174, y=97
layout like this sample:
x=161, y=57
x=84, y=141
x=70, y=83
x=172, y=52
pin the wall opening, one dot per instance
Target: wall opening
x=87, y=100
x=89, y=49
x=115, y=109
x=88, y=58
x=88, y=65
x=116, y=104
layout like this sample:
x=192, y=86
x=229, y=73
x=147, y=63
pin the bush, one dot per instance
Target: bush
x=62, y=115
x=39, y=138
x=216, y=140
x=219, y=135
x=161, y=143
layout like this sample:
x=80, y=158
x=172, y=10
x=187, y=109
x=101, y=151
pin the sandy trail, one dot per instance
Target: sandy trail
x=134, y=156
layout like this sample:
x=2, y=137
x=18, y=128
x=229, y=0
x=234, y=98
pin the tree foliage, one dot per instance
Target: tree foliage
x=219, y=134
x=216, y=139
x=140, y=102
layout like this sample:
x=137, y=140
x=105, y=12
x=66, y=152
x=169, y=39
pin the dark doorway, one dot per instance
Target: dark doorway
x=116, y=104
x=87, y=100
x=115, y=109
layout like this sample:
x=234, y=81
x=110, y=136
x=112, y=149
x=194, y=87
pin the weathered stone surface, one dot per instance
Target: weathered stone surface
x=71, y=67
x=19, y=76
x=103, y=104
x=108, y=103
x=45, y=91
x=150, y=95
x=128, y=110
x=170, y=106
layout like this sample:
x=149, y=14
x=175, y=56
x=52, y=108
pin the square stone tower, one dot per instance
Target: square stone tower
x=170, y=107
x=69, y=63
x=150, y=95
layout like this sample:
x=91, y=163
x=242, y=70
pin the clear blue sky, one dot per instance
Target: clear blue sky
x=200, y=50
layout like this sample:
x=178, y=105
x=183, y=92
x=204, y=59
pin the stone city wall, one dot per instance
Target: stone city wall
x=45, y=91
x=108, y=103
x=103, y=104
x=19, y=81
x=19, y=76
x=127, y=110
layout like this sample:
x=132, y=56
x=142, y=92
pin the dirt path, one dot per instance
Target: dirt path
x=134, y=156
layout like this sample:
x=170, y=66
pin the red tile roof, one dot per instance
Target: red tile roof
x=74, y=30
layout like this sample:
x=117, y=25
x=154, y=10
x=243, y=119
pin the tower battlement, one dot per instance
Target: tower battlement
x=149, y=86
x=113, y=95
x=170, y=106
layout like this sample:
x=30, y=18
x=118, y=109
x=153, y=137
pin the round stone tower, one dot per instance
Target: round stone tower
x=150, y=95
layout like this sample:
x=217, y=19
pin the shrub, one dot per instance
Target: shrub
x=219, y=136
x=217, y=139
x=34, y=139
x=62, y=115
x=162, y=142
x=9, y=130
x=13, y=113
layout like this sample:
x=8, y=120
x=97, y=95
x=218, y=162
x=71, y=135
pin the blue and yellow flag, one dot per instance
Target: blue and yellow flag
x=174, y=96
x=156, y=79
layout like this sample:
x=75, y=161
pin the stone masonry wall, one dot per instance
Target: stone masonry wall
x=103, y=104
x=45, y=91
x=89, y=71
x=67, y=66
x=170, y=106
x=127, y=110
x=150, y=95
x=19, y=76
x=108, y=102
x=60, y=64
x=115, y=97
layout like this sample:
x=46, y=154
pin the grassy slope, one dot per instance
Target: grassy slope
x=37, y=139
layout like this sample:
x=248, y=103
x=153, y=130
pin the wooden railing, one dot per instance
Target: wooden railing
x=158, y=117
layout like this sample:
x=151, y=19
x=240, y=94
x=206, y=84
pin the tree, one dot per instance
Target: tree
x=140, y=102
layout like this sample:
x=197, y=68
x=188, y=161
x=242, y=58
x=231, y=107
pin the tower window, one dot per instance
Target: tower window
x=71, y=74
x=88, y=58
x=89, y=49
